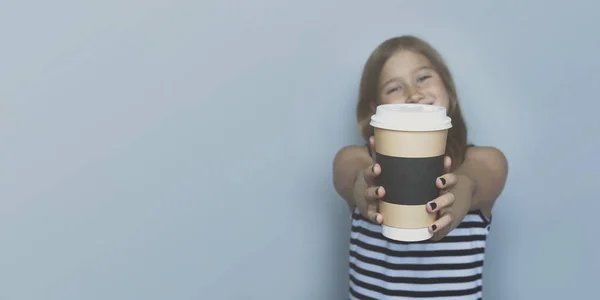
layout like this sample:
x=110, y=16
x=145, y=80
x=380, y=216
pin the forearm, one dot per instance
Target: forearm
x=348, y=165
x=466, y=187
x=486, y=169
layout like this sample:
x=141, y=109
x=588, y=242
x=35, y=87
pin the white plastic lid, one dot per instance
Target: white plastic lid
x=411, y=117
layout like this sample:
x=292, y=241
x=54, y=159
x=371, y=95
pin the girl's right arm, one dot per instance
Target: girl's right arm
x=353, y=179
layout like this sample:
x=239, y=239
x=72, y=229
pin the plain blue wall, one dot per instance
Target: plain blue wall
x=182, y=149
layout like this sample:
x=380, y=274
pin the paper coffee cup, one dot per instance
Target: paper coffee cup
x=410, y=143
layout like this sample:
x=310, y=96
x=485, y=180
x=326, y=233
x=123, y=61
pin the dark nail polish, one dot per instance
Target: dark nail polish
x=433, y=227
x=377, y=191
x=433, y=205
x=443, y=180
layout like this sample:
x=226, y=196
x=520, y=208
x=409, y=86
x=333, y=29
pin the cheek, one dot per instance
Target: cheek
x=441, y=97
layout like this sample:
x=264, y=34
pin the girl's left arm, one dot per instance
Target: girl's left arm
x=479, y=182
x=487, y=169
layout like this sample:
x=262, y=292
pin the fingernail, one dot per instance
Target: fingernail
x=433, y=205
x=377, y=191
x=433, y=227
x=443, y=180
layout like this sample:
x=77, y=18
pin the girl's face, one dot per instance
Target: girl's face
x=409, y=77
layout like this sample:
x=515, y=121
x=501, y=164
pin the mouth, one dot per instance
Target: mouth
x=427, y=102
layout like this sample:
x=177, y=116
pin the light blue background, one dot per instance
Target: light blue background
x=182, y=149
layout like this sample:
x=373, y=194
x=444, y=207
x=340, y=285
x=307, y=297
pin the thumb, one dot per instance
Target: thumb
x=372, y=144
x=447, y=164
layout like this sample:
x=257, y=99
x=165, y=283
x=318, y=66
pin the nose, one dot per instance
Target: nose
x=415, y=96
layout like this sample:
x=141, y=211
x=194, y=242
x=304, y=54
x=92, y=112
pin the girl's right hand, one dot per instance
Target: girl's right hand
x=367, y=193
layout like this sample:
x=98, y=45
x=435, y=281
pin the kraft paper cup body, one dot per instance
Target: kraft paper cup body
x=410, y=143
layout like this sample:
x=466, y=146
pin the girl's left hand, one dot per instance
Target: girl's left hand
x=444, y=204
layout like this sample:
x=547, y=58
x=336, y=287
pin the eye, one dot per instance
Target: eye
x=423, y=78
x=393, y=90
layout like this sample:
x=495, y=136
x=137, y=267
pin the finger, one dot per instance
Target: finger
x=371, y=172
x=441, y=223
x=441, y=202
x=373, y=215
x=372, y=144
x=446, y=181
x=374, y=193
x=447, y=164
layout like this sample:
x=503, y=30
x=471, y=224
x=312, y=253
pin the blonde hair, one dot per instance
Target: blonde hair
x=368, y=96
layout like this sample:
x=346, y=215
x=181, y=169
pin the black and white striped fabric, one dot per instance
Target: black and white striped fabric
x=451, y=268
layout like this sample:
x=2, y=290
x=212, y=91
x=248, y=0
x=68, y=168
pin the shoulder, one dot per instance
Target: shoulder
x=485, y=153
x=352, y=152
x=490, y=157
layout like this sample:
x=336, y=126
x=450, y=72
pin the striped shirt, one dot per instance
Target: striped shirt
x=451, y=268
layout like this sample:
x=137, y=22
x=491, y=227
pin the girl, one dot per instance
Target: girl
x=449, y=266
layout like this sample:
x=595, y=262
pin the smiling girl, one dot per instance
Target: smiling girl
x=450, y=265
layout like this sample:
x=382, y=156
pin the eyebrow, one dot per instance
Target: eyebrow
x=416, y=70
x=424, y=68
